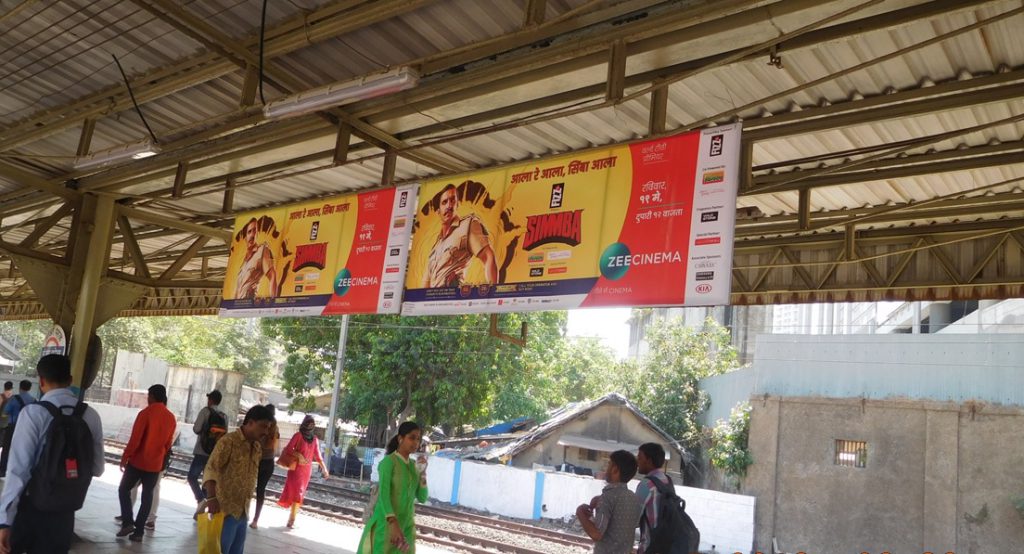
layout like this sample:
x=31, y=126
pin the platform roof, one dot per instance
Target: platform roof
x=883, y=139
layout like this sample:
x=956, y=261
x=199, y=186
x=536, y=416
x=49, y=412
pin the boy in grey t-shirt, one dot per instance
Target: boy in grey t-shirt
x=611, y=518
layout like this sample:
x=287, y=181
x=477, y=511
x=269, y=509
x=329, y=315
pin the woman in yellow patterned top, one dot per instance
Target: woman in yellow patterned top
x=392, y=528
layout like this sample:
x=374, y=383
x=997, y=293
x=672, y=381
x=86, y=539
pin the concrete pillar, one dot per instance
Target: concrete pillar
x=940, y=481
x=939, y=315
x=916, y=328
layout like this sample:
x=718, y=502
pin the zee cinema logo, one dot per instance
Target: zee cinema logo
x=617, y=259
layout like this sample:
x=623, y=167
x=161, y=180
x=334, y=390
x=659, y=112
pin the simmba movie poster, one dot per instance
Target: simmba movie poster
x=646, y=224
x=344, y=254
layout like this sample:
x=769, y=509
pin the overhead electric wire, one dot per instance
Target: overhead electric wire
x=134, y=103
x=263, y=27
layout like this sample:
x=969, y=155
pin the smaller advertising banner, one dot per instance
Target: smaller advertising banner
x=340, y=255
x=645, y=224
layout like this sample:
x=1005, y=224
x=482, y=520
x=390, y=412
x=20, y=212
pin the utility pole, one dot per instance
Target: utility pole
x=339, y=369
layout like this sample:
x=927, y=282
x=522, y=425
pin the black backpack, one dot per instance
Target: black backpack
x=675, y=533
x=215, y=428
x=61, y=478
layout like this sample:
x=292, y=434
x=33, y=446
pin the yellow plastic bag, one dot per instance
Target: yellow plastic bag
x=209, y=532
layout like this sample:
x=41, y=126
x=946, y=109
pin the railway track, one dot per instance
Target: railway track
x=467, y=542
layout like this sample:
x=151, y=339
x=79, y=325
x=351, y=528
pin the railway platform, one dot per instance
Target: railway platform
x=176, y=531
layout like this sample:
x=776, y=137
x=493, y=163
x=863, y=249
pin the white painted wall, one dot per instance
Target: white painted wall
x=440, y=475
x=563, y=492
x=497, y=489
x=726, y=521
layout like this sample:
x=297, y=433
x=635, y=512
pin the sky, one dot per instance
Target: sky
x=607, y=324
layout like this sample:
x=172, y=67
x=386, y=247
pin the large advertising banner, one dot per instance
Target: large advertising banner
x=339, y=255
x=648, y=224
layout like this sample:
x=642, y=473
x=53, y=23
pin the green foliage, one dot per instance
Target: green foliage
x=728, y=450
x=232, y=344
x=442, y=370
x=27, y=338
x=664, y=384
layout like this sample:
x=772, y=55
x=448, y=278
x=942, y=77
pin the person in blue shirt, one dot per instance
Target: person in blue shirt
x=23, y=528
x=11, y=409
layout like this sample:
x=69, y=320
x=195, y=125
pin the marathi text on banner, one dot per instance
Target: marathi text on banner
x=639, y=225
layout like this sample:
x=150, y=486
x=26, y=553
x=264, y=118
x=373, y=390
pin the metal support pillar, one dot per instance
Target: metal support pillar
x=99, y=221
x=339, y=370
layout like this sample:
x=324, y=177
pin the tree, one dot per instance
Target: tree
x=193, y=341
x=444, y=370
x=27, y=338
x=664, y=384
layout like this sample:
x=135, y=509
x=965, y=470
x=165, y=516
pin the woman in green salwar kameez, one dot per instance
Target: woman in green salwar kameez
x=391, y=528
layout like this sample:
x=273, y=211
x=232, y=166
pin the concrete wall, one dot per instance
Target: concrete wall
x=134, y=371
x=940, y=476
x=945, y=367
x=187, y=388
x=726, y=391
x=726, y=521
x=605, y=423
x=497, y=489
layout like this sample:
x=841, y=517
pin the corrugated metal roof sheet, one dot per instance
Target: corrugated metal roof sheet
x=53, y=55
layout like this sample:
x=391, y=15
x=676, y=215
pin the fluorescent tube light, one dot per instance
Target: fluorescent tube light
x=346, y=92
x=117, y=154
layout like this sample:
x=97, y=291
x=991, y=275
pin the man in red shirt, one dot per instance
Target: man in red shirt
x=143, y=459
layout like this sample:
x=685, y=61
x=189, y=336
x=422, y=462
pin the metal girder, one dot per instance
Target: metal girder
x=534, y=12
x=46, y=224
x=173, y=223
x=165, y=301
x=942, y=262
x=184, y=258
x=896, y=168
x=131, y=245
x=981, y=205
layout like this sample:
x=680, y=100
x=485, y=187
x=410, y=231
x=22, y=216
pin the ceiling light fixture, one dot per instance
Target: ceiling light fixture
x=346, y=92
x=117, y=154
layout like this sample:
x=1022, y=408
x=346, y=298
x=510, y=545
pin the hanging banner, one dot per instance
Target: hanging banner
x=340, y=255
x=648, y=224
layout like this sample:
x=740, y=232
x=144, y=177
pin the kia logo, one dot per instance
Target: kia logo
x=703, y=288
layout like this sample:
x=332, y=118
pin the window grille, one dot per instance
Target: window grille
x=851, y=453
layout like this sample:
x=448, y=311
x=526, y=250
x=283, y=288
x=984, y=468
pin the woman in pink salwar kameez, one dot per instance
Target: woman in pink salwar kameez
x=306, y=449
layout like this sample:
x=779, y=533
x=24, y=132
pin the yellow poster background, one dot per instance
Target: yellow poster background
x=510, y=200
x=285, y=231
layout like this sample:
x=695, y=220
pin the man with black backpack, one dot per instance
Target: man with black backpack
x=665, y=528
x=56, y=451
x=211, y=424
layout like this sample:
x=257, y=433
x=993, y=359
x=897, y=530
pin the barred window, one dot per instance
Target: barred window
x=851, y=453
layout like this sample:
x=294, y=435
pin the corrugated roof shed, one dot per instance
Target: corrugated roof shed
x=867, y=110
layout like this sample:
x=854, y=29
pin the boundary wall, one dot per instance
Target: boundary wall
x=726, y=521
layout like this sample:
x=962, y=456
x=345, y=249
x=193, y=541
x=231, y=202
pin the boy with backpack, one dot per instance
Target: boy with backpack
x=56, y=451
x=665, y=528
x=211, y=424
